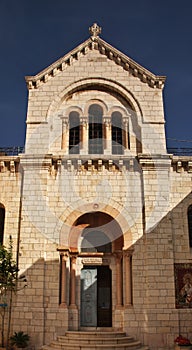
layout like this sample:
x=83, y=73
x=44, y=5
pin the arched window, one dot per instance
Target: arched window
x=117, y=133
x=74, y=133
x=189, y=214
x=95, y=129
x=2, y=221
x=95, y=241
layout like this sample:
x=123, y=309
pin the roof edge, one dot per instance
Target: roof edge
x=96, y=43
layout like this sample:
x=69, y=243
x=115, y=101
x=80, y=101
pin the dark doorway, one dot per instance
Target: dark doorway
x=96, y=303
x=104, y=310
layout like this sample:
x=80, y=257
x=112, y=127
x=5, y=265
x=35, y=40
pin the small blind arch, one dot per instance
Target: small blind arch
x=189, y=216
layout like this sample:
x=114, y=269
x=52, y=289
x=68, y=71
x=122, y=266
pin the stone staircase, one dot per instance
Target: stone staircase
x=94, y=340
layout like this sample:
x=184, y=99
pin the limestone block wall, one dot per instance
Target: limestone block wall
x=180, y=200
x=50, y=197
x=10, y=184
x=153, y=317
x=54, y=192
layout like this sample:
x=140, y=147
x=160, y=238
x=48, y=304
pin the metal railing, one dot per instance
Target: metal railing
x=180, y=151
x=15, y=150
x=11, y=151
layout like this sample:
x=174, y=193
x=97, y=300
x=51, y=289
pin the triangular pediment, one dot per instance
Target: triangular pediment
x=95, y=43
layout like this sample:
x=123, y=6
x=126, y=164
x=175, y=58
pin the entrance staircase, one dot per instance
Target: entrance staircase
x=94, y=340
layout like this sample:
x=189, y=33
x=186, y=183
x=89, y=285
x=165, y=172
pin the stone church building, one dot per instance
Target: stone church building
x=99, y=211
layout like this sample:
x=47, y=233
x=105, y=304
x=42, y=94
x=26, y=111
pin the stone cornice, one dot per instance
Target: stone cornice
x=9, y=163
x=160, y=161
x=154, y=161
x=33, y=82
x=86, y=163
x=182, y=163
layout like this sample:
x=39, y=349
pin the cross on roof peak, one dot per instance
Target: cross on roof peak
x=95, y=30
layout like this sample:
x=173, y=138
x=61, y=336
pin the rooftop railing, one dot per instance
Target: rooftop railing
x=180, y=151
x=11, y=151
x=16, y=150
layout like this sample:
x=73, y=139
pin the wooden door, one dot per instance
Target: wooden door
x=96, y=300
x=104, y=304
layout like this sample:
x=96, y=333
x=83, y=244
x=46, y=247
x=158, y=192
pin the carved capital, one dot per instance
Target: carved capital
x=107, y=121
x=65, y=121
x=128, y=253
x=84, y=121
x=126, y=121
x=118, y=256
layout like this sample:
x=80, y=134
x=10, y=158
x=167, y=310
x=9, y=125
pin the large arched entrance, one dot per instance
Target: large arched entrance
x=100, y=240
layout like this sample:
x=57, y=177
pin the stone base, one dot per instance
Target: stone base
x=183, y=347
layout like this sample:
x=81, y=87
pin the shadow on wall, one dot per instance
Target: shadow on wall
x=154, y=317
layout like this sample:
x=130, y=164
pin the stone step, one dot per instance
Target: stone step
x=97, y=347
x=99, y=340
x=95, y=340
x=95, y=334
x=92, y=342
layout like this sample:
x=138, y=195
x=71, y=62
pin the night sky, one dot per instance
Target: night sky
x=156, y=34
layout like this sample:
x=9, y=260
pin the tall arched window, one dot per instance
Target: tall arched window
x=189, y=214
x=117, y=133
x=74, y=133
x=2, y=221
x=95, y=129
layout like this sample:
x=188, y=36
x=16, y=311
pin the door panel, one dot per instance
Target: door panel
x=96, y=305
x=104, y=309
x=89, y=297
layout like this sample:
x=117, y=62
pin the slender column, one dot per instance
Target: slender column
x=73, y=281
x=108, y=138
x=65, y=135
x=126, y=133
x=119, y=279
x=63, y=280
x=84, y=135
x=128, y=279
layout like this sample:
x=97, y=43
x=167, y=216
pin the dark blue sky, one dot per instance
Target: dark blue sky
x=156, y=34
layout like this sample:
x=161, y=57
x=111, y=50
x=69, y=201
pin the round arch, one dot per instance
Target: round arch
x=122, y=93
x=96, y=225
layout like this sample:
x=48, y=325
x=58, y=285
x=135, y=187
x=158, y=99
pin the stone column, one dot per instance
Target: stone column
x=63, y=280
x=126, y=140
x=128, y=278
x=119, y=279
x=84, y=135
x=107, y=133
x=73, y=281
x=65, y=135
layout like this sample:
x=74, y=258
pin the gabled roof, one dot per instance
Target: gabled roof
x=95, y=43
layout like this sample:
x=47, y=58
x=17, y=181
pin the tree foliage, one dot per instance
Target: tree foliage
x=8, y=286
x=8, y=269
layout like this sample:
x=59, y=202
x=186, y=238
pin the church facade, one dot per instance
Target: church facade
x=99, y=212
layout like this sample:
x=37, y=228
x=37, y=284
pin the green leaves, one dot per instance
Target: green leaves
x=8, y=269
x=20, y=339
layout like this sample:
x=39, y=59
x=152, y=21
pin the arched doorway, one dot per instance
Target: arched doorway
x=99, y=241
